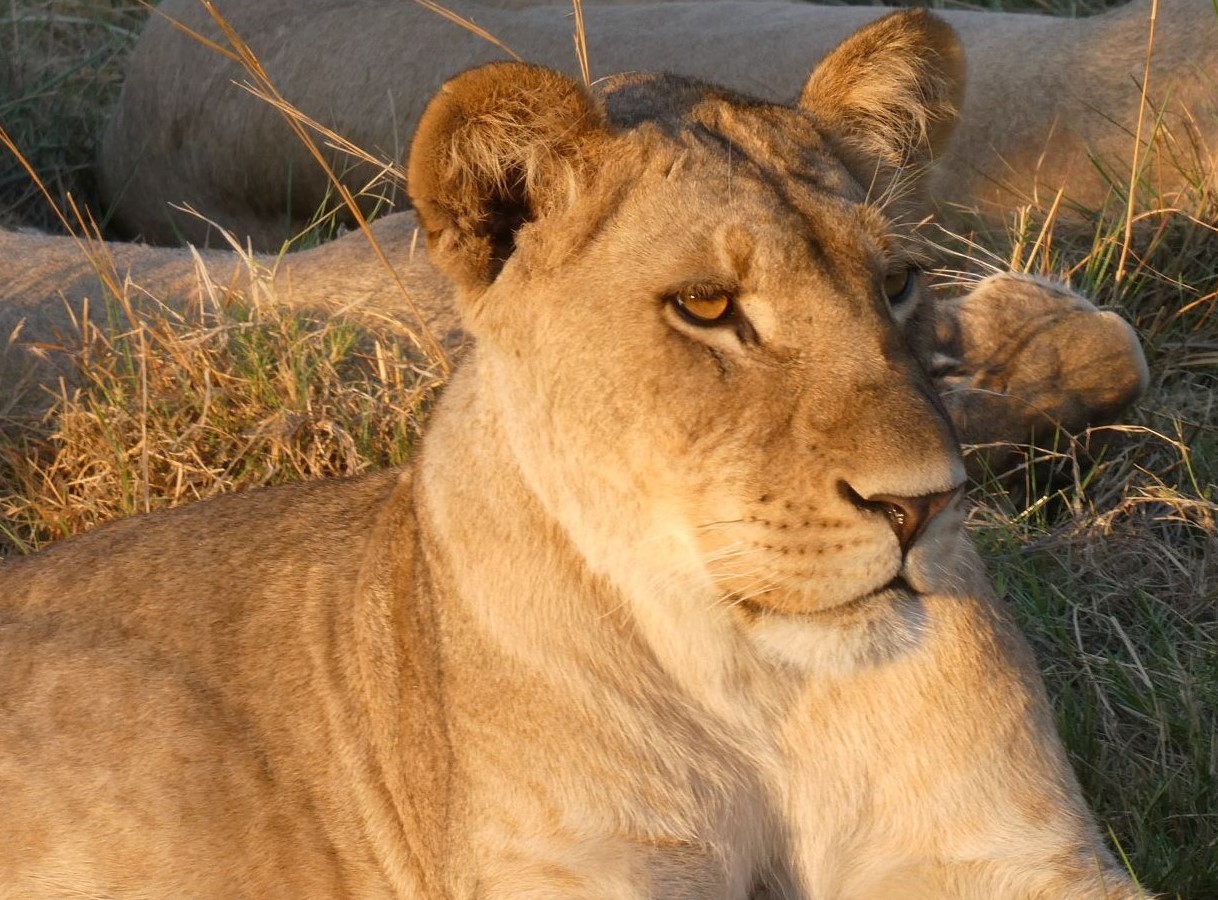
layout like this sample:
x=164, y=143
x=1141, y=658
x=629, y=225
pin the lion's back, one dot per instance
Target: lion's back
x=201, y=548
x=152, y=667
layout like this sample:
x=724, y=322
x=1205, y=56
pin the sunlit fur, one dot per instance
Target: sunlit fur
x=1052, y=103
x=540, y=662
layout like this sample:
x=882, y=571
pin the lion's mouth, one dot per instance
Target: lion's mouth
x=896, y=588
x=898, y=583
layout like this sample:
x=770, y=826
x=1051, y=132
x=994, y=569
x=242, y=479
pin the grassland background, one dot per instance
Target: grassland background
x=1111, y=565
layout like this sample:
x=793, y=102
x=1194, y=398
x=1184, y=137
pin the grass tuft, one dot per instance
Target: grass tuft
x=182, y=407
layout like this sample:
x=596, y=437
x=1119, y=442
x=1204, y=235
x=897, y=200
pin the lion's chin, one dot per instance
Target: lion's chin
x=870, y=630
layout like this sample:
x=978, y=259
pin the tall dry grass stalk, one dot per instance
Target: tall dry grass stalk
x=303, y=127
x=1135, y=168
x=581, y=42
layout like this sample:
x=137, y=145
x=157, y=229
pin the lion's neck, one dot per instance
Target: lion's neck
x=590, y=582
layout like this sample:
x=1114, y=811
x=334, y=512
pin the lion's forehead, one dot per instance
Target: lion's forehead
x=777, y=141
x=691, y=208
x=716, y=163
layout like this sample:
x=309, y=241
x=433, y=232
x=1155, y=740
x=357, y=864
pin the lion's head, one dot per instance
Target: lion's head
x=685, y=303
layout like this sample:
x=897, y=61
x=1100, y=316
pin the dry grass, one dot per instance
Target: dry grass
x=1110, y=560
x=240, y=393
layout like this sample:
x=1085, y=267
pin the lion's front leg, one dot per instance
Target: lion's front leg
x=563, y=865
x=943, y=777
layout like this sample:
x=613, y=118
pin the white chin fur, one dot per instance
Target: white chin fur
x=838, y=643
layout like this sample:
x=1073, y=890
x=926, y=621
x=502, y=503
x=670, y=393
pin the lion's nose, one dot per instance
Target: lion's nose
x=906, y=515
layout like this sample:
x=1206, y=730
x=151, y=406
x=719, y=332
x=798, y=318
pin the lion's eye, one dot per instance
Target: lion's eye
x=899, y=284
x=702, y=306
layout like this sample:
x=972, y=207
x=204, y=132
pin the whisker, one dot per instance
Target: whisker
x=720, y=524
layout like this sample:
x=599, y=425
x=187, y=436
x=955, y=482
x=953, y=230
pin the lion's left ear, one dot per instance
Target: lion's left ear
x=499, y=146
x=891, y=92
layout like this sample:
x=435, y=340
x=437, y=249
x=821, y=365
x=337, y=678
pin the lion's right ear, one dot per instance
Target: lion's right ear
x=499, y=146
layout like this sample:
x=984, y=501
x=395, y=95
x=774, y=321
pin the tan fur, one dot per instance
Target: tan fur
x=638, y=622
x=1045, y=95
x=1015, y=359
x=1022, y=360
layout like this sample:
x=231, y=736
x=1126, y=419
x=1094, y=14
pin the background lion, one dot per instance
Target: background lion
x=1110, y=568
x=1053, y=105
x=663, y=566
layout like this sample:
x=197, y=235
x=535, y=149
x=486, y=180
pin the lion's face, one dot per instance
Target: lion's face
x=693, y=343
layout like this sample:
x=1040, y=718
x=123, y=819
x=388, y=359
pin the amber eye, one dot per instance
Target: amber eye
x=899, y=284
x=704, y=306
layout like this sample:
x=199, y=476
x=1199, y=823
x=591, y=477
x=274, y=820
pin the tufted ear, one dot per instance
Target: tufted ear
x=892, y=92
x=499, y=146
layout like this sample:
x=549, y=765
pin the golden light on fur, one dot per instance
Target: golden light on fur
x=636, y=622
x=200, y=143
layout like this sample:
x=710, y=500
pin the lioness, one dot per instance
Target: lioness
x=674, y=603
x=1047, y=96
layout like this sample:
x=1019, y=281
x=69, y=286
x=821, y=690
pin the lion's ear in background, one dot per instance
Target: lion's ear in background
x=498, y=147
x=891, y=93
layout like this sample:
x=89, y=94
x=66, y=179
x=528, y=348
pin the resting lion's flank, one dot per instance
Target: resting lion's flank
x=674, y=603
x=1053, y=104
